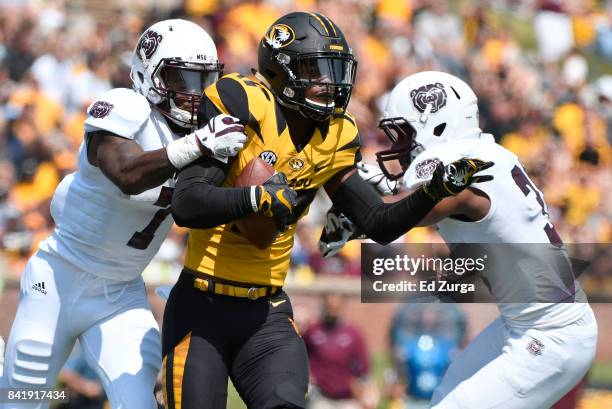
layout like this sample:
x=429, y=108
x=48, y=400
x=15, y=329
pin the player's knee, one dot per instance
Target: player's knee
x=290, y=394
x=133, y=391
x=137, y=402
x=150, y=352
x=31, y=364
x=438, y=395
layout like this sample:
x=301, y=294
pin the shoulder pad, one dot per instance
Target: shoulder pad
x=349, y=137
x=240, y=96
x=120, y=111
x=350, y=118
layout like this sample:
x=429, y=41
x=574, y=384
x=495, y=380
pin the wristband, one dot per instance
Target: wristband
x=254, y=203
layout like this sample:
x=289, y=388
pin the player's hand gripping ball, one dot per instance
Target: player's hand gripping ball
x=273, y=199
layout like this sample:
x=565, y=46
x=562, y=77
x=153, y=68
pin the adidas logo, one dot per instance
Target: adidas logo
x=40, y=287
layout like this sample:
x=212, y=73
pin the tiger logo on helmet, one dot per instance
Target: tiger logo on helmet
x=279, y=35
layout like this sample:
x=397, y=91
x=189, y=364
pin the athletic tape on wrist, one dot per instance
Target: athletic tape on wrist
x=182, y=152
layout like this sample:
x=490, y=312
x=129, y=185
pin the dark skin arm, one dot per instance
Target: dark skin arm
x=470, y=205
x=126, y=164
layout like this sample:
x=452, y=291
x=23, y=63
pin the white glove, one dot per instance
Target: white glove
x=374, y=176
x=221, y=138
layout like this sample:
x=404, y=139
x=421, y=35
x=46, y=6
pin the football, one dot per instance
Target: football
x=260, y=230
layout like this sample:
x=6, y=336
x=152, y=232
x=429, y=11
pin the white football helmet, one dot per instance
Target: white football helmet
x=423, y=110
x=172, y=63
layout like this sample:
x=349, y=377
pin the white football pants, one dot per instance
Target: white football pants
x=508, y=368
x=112, y=320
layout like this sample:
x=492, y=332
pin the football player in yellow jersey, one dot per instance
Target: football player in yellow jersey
x=227, y=315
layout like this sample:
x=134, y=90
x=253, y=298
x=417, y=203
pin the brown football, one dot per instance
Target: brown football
x=260, y=230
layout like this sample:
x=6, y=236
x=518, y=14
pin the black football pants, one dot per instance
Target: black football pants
x=208, y=337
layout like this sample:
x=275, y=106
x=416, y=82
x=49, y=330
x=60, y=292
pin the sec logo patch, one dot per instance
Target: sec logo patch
x=296, y=163
x=269, y=157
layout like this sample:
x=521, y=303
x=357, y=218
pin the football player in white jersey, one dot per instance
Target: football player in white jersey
x=534, y=352
x=111, y=216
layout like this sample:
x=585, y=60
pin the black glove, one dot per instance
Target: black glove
x=452, y=179
x=276, y=199
x=337, y=232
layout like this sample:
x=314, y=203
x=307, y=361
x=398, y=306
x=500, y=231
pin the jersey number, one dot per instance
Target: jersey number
x=141, y=239
x=523, y=182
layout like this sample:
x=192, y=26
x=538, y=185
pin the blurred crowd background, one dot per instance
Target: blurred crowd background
x=542, y=70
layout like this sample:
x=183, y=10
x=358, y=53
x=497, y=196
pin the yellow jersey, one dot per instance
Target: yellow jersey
x=223, y=251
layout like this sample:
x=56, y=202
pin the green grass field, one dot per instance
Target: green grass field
x=599, y=377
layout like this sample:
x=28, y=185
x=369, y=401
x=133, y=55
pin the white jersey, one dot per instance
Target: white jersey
x=517, y=214
x=99, y=229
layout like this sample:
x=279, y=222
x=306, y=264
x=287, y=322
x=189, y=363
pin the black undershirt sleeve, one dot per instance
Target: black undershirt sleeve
x=198, y=202
x=380, y=221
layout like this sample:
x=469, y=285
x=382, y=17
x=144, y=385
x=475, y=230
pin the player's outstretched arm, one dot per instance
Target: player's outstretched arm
x=384, y=222
x=471, y=204
x=134, y=170
x=380, y=221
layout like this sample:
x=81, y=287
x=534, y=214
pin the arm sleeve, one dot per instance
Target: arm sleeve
x=381, y=222
x=198, y=201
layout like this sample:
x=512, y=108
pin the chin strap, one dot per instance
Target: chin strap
x=261, y=78
x=180, y=115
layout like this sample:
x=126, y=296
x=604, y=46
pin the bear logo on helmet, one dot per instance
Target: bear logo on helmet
x=148, y=44
x=433, y=94
x=279, y=35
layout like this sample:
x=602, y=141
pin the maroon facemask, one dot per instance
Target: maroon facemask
x=404, y=147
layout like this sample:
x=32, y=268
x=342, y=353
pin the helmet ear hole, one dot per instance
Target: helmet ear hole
x=140, y=76
x=438, y=130
x=456, y=93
